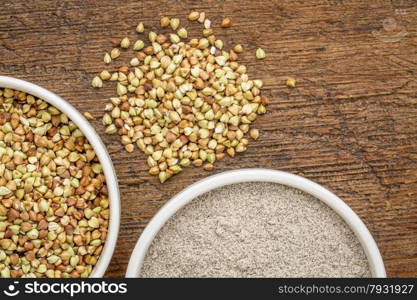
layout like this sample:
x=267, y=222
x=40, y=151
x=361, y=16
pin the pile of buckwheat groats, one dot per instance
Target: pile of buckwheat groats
x=54, y=207
x=182, y=101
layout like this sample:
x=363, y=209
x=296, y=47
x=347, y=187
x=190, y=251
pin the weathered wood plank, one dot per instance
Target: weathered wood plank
x=350, y=124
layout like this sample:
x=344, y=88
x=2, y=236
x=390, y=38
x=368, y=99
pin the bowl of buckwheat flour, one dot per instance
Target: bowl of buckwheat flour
x=255, y=223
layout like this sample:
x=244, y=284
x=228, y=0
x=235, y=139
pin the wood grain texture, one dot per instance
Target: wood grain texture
x=350, y=124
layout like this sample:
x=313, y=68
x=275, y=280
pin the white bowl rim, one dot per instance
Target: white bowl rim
x=371, y=250
x=101, y=152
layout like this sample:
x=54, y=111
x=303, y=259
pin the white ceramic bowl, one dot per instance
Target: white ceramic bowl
x=376, y=263
x=101, y=152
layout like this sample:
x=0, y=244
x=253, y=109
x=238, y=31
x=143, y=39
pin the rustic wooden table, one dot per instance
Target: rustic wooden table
x=350, y=124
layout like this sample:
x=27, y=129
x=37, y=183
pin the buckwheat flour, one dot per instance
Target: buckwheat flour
x=256, y=230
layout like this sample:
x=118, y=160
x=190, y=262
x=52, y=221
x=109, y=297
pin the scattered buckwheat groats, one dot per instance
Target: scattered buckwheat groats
x=140, y=28
x=260, y=53
x=290, y=82
x=226, y=22
x=181, y=100
x=54, y=207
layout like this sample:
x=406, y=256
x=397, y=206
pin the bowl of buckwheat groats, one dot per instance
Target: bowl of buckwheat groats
x=59, y=197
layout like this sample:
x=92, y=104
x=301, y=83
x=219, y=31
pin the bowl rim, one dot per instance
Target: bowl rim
x=101, y=152
x=368, y=243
